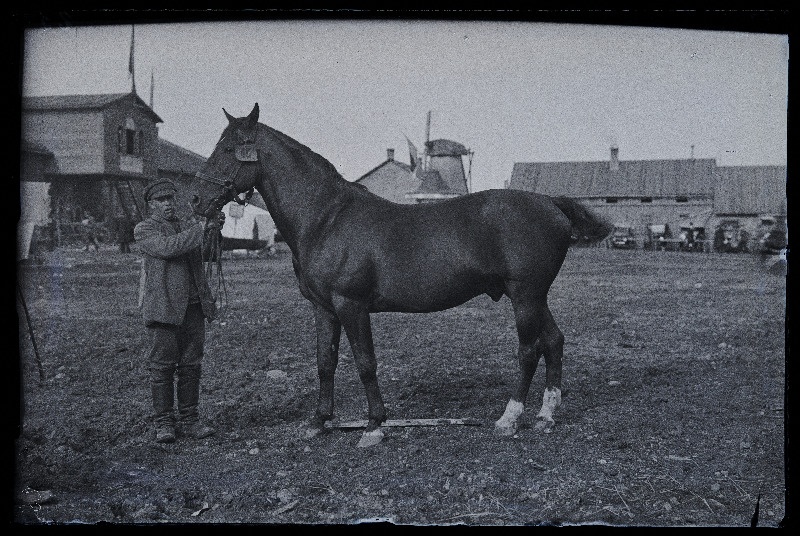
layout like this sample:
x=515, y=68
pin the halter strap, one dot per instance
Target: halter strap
x=245, y=152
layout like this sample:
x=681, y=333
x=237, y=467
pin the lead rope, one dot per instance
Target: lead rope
x=215, y=258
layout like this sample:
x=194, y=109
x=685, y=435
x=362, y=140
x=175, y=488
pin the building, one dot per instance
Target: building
x=104, y=151
x=438, y=174
x=178, y=165
x=391, y=179
x=681, y=193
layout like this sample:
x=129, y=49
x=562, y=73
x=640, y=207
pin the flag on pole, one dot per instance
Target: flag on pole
x=152, y=84
x=130, y=61
x=412, y=153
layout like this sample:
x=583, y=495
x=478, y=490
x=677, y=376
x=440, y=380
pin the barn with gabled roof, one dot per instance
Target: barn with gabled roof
x=391, y=179
x=435, y=175
x=680, y=193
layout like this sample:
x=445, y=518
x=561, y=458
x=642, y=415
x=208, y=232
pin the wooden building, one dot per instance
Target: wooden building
x=105, y=150
x=92, y=154
x=438, y=174
x=391, y=179
x=679, y=193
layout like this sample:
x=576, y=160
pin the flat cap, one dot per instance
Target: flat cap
x=159, y=187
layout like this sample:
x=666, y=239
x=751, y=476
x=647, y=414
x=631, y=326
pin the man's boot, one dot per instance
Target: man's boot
x=163, y=405
x=188, y=403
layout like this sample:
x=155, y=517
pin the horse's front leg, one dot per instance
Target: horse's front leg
x=329, y=331
x=354, y=317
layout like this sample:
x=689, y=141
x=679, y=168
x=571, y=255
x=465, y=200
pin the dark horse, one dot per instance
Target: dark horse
x=355, y=253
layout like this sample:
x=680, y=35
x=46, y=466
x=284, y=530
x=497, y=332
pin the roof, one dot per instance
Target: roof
x=431, y=183
x=173, y=158
x=633, y=178
x=750, y=189
x=445, y=148
x=404, y=167
x=83, y=102
x=32, y=147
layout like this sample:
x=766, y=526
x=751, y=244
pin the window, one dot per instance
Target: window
x=129, y=140
x=682, y=199
x=611, y=200
x=646, y=200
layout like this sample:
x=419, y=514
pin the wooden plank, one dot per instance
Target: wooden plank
x=405, y=422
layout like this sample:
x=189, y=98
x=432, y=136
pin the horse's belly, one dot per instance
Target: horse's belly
x=427, y=295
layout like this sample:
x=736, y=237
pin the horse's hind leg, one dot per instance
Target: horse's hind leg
x=530, y=314
x=551, y=342
x=329, y=332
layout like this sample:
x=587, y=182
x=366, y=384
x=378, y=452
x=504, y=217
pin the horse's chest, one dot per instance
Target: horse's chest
x=327, y=275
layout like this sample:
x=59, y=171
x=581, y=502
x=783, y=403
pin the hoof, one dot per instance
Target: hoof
x=545, y=425
x=370, y=439
x=311, y=433
x=505, y=429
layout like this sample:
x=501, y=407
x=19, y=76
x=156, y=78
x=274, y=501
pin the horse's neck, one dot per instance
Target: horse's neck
x=300, y=188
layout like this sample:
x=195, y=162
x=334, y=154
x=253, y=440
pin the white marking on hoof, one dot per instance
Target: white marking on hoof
x=544, y=426
x=550, y=401
x=370, y=439
x=507, y=424
x=311, y=432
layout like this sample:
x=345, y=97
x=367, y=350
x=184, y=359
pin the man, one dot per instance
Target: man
x=88, y=233
x=124, y=234
x=175, y=298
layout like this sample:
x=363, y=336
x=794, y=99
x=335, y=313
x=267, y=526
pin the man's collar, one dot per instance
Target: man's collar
x=159, y=217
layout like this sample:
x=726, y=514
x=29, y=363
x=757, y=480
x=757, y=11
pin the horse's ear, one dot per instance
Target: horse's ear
x=229, y=116
x=253, y=117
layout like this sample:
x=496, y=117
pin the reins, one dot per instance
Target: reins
x=245, y=152
x=214, y=248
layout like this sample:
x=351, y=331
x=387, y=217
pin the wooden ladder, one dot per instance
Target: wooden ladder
x=128, y=200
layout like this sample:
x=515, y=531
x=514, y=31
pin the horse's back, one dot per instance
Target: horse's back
x=429, y=257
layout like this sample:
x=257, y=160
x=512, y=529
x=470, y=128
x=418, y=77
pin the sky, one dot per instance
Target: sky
x=509, y=91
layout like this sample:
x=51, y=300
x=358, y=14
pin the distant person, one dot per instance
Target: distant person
x=125, y=234
x=773, y=248
x=89, y=233
x=175, y=300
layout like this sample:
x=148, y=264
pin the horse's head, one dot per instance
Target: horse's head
x=231, y=169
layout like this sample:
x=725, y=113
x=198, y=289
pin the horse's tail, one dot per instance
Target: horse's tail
x=587, y=226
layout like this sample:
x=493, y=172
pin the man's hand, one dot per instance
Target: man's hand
x=216, y=222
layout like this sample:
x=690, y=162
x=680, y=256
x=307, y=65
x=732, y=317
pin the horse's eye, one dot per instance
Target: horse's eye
x=228, y=149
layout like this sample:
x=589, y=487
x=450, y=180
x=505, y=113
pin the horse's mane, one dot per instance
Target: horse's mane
x=328, y=170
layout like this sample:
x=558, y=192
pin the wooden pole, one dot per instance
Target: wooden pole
x=30, y=332
x=405, y=422
x=427, y=139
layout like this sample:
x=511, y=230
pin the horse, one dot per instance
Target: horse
x=355, y=253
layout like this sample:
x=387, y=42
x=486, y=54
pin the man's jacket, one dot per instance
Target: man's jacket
x=172, y=266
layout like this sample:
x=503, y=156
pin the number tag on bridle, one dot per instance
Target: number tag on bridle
x=247, y=152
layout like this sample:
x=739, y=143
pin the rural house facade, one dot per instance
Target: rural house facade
x=104, y=150
x=438, y=174
x=92, y=154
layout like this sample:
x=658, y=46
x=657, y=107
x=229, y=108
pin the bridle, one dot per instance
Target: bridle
x=244, y=152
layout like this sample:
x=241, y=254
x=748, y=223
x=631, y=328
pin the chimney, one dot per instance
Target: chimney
x=389, y=154
x=614, y=165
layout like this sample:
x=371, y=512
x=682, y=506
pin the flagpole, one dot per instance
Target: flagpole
x=152, y=84
x=131, y=62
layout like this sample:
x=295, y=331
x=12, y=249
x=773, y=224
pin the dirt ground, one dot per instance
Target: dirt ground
x=672, y=415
